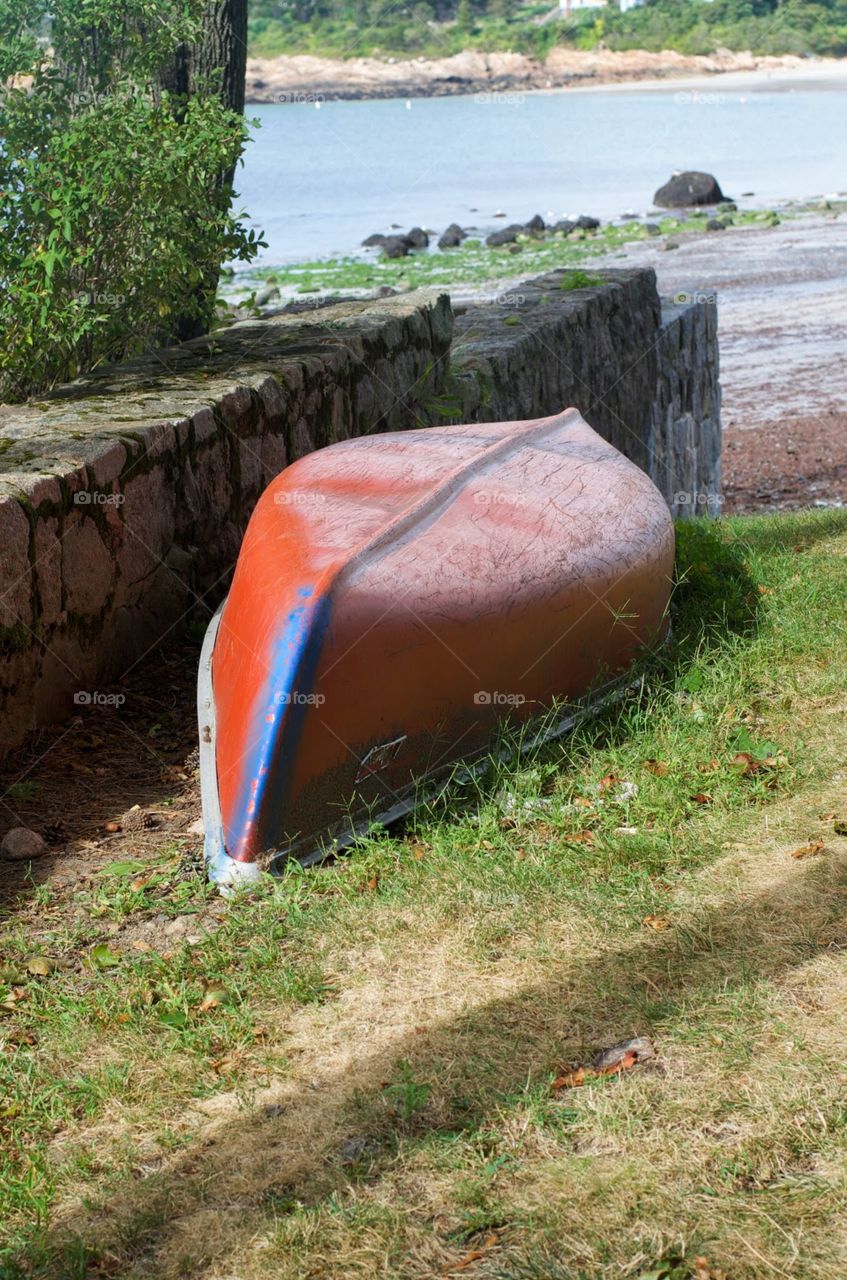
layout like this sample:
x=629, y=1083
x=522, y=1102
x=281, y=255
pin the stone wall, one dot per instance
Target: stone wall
x=643, y=372
x=123, y=497
x=685, y=420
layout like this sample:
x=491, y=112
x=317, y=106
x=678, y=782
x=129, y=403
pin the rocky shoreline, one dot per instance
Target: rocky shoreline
x=302, y=78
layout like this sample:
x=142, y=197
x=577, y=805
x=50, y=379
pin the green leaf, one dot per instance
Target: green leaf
x=743, y=741
x=131, y=867
x=103, y=957
x=175, y=1019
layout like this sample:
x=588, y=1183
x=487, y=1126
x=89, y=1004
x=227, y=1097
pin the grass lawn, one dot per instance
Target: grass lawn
x=348, y=1073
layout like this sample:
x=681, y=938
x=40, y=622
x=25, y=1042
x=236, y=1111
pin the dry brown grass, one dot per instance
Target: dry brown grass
x=731, y=1145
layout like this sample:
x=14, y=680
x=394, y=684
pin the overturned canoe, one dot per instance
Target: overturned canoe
x=396, y=598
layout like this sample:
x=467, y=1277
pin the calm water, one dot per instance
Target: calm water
x=319, y=180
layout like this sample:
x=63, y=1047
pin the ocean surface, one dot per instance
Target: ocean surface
x=318, y=178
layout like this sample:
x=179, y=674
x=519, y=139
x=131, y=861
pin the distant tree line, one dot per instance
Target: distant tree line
x=355, y=27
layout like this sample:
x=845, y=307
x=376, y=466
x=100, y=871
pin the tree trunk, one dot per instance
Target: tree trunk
x=218, y=59
x=220, y=55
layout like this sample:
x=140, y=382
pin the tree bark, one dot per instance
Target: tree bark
x=219, y=56
x=215, y=62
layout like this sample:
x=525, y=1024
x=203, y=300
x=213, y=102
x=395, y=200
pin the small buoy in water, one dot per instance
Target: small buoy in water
x=408, y=105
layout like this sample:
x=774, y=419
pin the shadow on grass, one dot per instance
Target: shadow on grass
x=272, y=1160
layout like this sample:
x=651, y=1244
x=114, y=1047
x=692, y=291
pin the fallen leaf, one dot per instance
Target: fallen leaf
x=658, y=767
x=22, y=1037
x=619, y=1057
x=701, y=797
x=40, y=966
x=229, y=1063
x=657, y=923
x=571, y=1079
x=703, y=1270
x=582, y=802
x=473, y=1256
x=807, y=850
x=607, y=782
x=580, y=837
x=102, y=957
x=711, y=767
x=138, y=944
x=746, y=763
x=111, y=827
x=215, y=995
x=623, y=1055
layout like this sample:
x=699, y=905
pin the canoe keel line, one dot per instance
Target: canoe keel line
x=399, y=598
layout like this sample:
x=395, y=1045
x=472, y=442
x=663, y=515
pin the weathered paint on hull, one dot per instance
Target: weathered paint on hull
x=396, y=598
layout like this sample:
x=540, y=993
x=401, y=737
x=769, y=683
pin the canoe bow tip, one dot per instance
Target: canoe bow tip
x=224, y=871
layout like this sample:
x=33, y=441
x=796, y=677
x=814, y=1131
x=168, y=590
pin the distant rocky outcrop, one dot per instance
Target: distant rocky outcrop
x=287, y=78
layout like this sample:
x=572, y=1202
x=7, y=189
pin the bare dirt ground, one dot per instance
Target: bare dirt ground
x=782, y=308
x=114, y=782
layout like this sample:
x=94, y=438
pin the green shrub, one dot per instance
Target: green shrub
x=113, y=216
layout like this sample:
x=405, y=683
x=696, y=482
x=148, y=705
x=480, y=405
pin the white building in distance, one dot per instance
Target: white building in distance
x=573, y=6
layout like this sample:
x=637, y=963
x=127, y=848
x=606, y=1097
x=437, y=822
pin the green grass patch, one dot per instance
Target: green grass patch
x=555, y=903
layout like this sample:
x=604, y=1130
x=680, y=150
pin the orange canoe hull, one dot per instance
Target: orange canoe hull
x=398, y=597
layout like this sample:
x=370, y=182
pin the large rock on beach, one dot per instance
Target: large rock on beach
x=396, y=246
x=507, y=236
x=418, y=238
x=688, y=190
x=452, y=237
